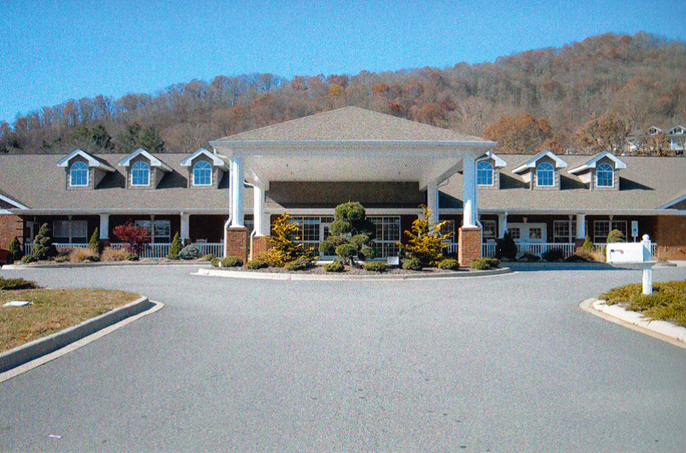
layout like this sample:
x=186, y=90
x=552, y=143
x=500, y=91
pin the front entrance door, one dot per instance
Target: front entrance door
x=528, y=232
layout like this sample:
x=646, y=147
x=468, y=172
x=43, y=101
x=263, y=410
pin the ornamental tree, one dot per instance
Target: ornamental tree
x=351, y=233
x=135, y=238
x=426, y=240
x=43, y=248
x=283, y=246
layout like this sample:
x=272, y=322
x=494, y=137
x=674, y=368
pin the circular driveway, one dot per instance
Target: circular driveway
x=502, y=363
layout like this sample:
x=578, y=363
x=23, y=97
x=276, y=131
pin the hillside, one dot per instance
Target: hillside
x=584, y=96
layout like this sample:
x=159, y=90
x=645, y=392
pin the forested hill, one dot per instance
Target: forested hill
x=585, y=96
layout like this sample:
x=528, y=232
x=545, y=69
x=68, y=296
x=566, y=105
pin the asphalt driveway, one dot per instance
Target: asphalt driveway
x=503, y=363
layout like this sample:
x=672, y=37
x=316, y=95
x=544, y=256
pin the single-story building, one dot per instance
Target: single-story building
x=224, y=200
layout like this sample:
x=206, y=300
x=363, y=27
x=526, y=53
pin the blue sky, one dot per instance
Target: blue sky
x=52, y=51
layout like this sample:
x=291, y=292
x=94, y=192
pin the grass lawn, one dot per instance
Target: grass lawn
x=52, y=310
x=667, y=303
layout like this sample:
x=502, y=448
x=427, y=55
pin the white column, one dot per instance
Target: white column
x=469, y=190
x=237, y=181
x=104, y=226
x=502, y=225
x=258, y=210
x=432, y=201
x=581, y=226
x=185, y=228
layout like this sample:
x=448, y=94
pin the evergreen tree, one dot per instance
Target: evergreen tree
x=15, y=249
x=94, y=244
x=426, y=241
x=43, y=247
x=150, y=140
x=175, y=248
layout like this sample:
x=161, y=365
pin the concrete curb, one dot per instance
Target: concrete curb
x=15, y=267
x=286, y=276
x=46, y=345
x=661, y=330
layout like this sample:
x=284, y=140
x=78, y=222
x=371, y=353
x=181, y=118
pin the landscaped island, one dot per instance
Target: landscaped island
x=666, y=303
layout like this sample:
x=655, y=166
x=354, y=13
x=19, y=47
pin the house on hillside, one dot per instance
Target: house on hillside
x=225, y=200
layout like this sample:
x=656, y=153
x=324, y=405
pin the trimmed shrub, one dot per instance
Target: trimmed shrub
x=94, y=244
x=110, y=254
x=413, y=264
x=215, y=262
x=588, y=245
x=8, y=284
x=43, y=247
x=209, y=257
x=482, y=264
x=256, y=264
x=556, y=254
x=15, y=250
x=529, y=258
x=175, y=248
x=449, y=264
x=505, y=247
x=135, y=238
x=328, y=247
x=28, y=259
x=335, y=266
x=346, y=252
x=300, y=264
x=576, y=258
x=190, y=252
x=367, y=252
x=615, y=236
x=375, y=266
x=81, y=255
x=231, y=261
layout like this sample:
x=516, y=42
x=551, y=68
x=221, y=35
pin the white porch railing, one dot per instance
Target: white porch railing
x=150, y=251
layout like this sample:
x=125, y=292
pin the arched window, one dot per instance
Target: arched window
x=202, y=174
x=605, y=176
x=78, y=174
x=545, y=175
x=140, y=174
x=484, y=173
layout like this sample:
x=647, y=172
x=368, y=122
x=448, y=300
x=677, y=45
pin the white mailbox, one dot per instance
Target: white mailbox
x=627, y=252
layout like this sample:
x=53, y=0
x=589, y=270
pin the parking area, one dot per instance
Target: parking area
x=501, y=363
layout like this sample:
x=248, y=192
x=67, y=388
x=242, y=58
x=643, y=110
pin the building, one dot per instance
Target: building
x=225, y=199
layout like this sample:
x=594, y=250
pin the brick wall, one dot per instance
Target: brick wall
x=469, y=248
x=260, y=245
x=237, y=243
x=670, y=236
x=10, y=226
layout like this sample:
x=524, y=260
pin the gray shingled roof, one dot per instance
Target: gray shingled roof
x=350, y=124
x=646, y=184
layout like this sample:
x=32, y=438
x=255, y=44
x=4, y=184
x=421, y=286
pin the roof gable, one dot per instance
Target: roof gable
x=350, y=124
x=154, y=161
x=619, y=164
x=498, y=162
x=531, y=163
x=214, y=158
x=92, y=160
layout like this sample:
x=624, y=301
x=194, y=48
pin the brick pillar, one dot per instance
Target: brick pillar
x=469, y=247
x=260, y=244
x=237, y=243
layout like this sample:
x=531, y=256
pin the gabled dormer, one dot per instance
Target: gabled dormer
x=83, y=170
x=652, y=130
x=542, y=172
x=144, y=171
x=677, y=130
x=205, y=169
x=488, y=171
x=600, y=172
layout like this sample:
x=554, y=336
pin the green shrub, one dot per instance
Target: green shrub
x=346, y=252
x=209, y=257
x=231, y=261
x=175, y=248
x=94, y=245
x=328, y=247
x=426, y=240
x=215, y=262
x=666, y=303
x=412, y=264
x=300, y=264
x=367, y=252
x=190, y=252
x=505, y=247
x=8, y=284
x=482, y=264
x=555, y=254
x=335, y=266
x=529, y=258
x=15, y=250
x=256, y=264
x=449, y=264
x=615, y=236
x=588, y=245
x=375, y=266
x=43, y=247
x=28, y=259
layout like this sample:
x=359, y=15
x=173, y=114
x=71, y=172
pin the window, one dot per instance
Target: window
x=202, y=174
x=535, y=233
x=387, y=236
x=158, y=230
x=562, y=232
x=602, y=228
x=489, y=230
x=70, y=231
x=515, y=233
x=545, y=175
x=484, y=173
x=78, y=174
x=605, y=175
x=140, y=174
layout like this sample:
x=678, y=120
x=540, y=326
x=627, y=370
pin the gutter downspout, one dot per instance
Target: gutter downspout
x=228, y=221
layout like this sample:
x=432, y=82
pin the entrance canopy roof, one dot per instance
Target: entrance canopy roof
x=350, y=144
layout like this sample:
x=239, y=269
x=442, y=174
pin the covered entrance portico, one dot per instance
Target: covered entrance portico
x=349, y=146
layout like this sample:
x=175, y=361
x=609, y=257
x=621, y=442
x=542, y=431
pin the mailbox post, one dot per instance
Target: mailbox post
x=634, y=256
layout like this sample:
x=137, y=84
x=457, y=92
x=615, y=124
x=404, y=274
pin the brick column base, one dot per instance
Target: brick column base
x=237, y=243
x=260, y=244
x=10, y=226
x=469, y=247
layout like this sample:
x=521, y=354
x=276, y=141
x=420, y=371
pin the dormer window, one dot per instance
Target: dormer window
x=605, y=175
x=545, y=175
x=78, y=174
x=484, y=173
x=202, y=173
x=140, y=174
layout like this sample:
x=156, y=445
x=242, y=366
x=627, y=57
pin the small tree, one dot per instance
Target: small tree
x=615, y=236
x=284, y=247
x=15, y=249
x=43, y=247
x=426, y=241
x=135, y=238
x=588, y=245
x=94, y=244
x=505, y=247
x=175, y=248
x=351, y=233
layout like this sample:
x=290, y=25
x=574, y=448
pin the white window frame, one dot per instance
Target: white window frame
x=137, y=170
x=491, y=227
x=70, y=227
x=206, y=169
x=152, y=227
x=82, y=168
x=489, y=172
x=539, y=170
x=603, y=168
